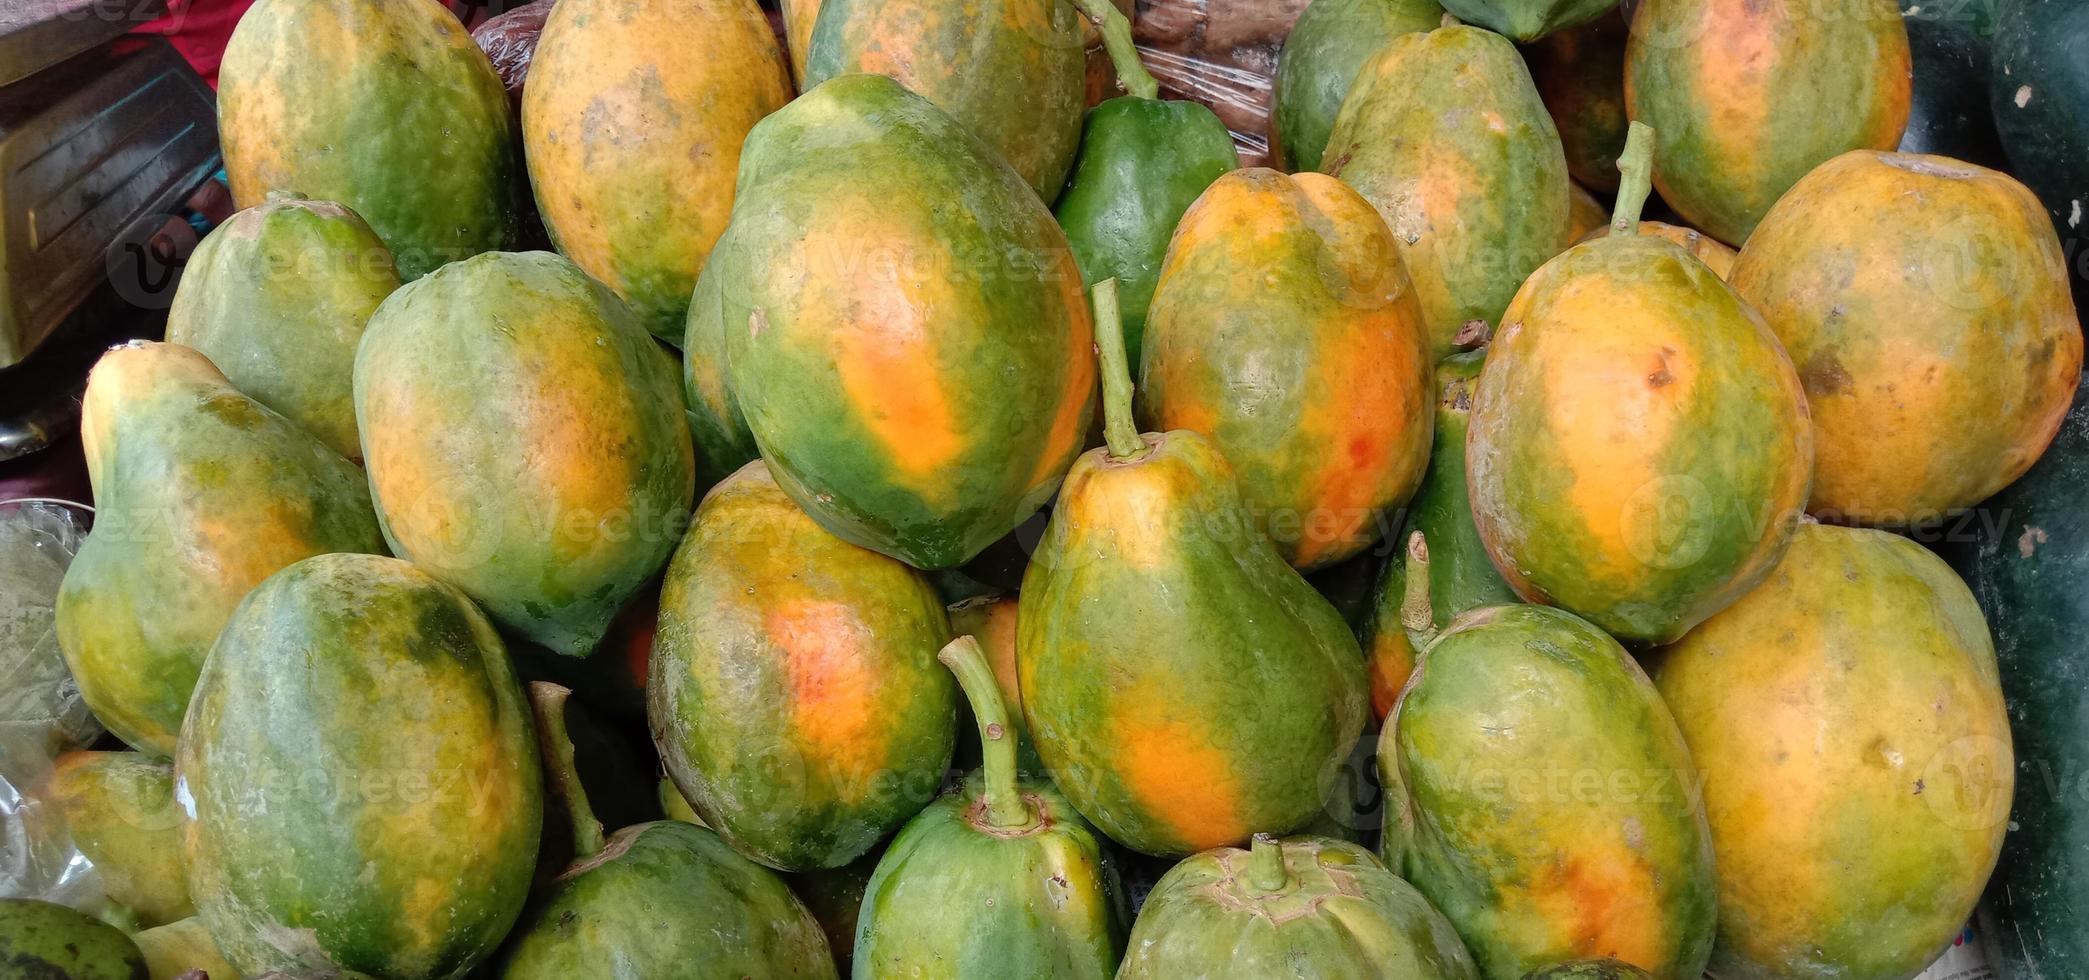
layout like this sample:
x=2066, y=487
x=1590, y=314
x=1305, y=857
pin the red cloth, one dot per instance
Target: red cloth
x=199, y=29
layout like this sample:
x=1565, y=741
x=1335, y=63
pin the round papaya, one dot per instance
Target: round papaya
x=1848, y=718
x=1746, y=96
x=525, y=442
x=277, y=298
x=794, y=691
x=119, y=810
x=358, y=778
x=386, y=106
x=1580, y=73
x=1936, y=338
x=1285, y=328
x=1445, y=134
x=1715, y=254
x=903, y=322
x=40, y=940
x=1540, y=794
x=632, y=126
x=1327, y=45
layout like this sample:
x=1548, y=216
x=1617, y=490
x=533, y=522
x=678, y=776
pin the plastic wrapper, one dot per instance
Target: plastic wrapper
x=1222, y=53
x=510, y=41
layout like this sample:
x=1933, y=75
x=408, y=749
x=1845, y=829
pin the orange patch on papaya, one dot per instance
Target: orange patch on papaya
x=830, y=686
x=889, y=370
x=1602, y=901
x=1179, y=779
x=1070, y=425
x=1134, y=503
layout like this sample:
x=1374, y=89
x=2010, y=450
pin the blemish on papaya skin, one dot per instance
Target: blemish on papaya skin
x=1823, y=374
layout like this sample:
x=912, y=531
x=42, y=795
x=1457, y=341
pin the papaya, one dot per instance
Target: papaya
x=1327, y=45
x=1012, y=73
x=799, y=16
x=1303, y=907
x=1529, y=20
x=1848, y=719
x=1580, y=73
x=1639, y=449
x=119, y=808
x=654, y=899
x=1715, y=254
x=717, y=429
x=1746, y=96
x=525, y=442
x=1277, y=292
x=1446, y=135
x=1540, y=794
x=794, y=692
x=1948, y=112
x=991, y=620
x=173, y=950
x=43, y=941
x=1936, y=338
x=277, y=298
x=2039, y=91
x=202, y=493
x=835, y=898
x=632, y=127
x=1001, y=878
x=358, y=786
x=924, y=400
x=1589, y=970
x=1585, y=214
x=386, y=106
x=1184, y=684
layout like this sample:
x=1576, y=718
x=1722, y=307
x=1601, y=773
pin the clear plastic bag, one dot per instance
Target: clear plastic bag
x=1222, y=53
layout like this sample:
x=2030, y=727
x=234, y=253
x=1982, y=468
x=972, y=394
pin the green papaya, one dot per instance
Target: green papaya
x=1001, y=878
x=202, y=493
x=903, y=321
x=1303, y=907
x=173, y=950
x=1446, y=135
x=1528, y=20
x=717, y=428
x=794, y=691
x=42, y=941
x=357, y=777
x=277, y=298
x=386, y=106
x=2039, y=91
x=1589, y=970
x=119, y=808
x=1948, y=111
x=1580, y=73
x=525, y=442
x=1327, y=45
x=835, y=898
x=1186, y=687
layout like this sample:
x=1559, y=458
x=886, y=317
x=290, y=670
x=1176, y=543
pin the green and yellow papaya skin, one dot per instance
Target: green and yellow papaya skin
x=1327, y=45
x=119, y=809
x=40, y=939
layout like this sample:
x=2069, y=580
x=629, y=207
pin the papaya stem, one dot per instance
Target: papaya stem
x=1124, y=53
x=1417, y=613
x=1119, y=431
x=549, y=704
x=1004, y=798
x=1635, y=179
x=1266, y=869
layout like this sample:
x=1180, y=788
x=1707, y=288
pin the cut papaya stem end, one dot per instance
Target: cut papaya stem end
x=1120, y=433
x=1124, y=52
x=1635, y=179
x=548, y=702
x=1417, y=613
x=1266, y=869
x=997, y=740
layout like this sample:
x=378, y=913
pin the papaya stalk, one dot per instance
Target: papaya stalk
x=548, y=702
x=1120, y=432
x=1635, y=179
x=1124, y=54
x=1266, y=869
x=1004, y=800
x=1417, y=613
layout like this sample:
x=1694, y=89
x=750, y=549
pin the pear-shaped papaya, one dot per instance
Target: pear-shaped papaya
x=1715, y=254
x=1936, y=338
x=1286, y=330
x=657, y=899
x=203, y=493
x=386, y=106
x=1540, y=794
x=43, y=941
x=174, y=950
x=1639, y=449
x=1001, y=878
x=794, y=690
x=1848, y=718
x=1185, y=685
x=1012, y=73
x=277, y=298
x=119, y=809
x=1589, y=970
x=903, y=323
x=525, y=442
x=1328, y=43
x=1303, y=907
x=632, y=126
x=1746, y=96
x=1580, y=73
x=1445, y=134
x=357, y=776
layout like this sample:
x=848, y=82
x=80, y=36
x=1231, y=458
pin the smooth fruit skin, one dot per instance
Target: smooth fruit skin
x=1343, y=917
x=904, y=324
x=1445, y=134
x=1948, y=109
x=277, y=298
x=1286, y=329
x=1012, y=72
x=955, y=897
x=1540, y=794
x=668, y=899
x=386, y=106
x=119, y=809
x=1580, y=73
x=41, y=940
x=174, y=949
x=1639, y=448
x=202, y=493
x=632, y=124
x=1327, y=45
x=1529, y=20
x=1585, y=215
x=1715, y=254
x=1143, y=163
x=1936, y=337
x=1185, y=686
x=1746, y=96
x=1849, y=722
x=358, y=776
x=525, y=442
x=794, y=691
